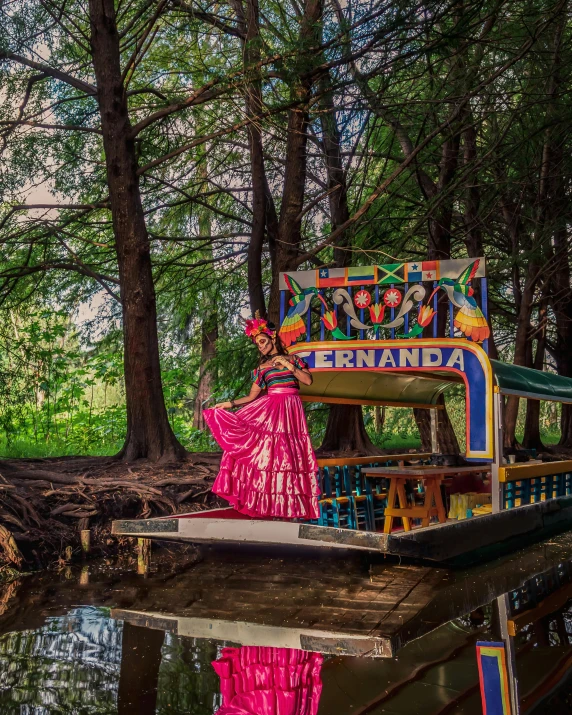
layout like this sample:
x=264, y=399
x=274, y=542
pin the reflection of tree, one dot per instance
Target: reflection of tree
x=70, y=665
x=187, y=681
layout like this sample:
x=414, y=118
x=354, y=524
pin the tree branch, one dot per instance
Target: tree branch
x=51, y=72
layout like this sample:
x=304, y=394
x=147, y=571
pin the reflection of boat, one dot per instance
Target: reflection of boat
x=427, y=620
x=349, y=611
x=358, y=506
x=430, y=618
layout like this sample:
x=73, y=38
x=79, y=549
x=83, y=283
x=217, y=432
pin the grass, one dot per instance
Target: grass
x=29, y=449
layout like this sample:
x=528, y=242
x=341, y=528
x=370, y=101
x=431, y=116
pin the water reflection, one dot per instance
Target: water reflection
x=269, y=681
x=71, y=664
x=274, y=638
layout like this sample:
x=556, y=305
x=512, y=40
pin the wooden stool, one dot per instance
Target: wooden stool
x=405, y=512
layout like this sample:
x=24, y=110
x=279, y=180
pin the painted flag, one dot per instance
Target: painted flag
x=361, y=275
x=330, y=277
x=390, y=273
x=413, y=272
x=493, y=678
x=430, y=270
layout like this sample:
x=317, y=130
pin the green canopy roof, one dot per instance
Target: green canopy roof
x=405, y=389
x=416, y=389
x=535, y=384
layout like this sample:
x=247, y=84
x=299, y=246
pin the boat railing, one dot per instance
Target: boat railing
x=530, y=483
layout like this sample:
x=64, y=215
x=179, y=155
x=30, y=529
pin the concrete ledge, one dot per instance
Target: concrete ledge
x=134, y=527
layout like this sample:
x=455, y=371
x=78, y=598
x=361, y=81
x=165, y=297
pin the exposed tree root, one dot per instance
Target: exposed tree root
x=45, y=503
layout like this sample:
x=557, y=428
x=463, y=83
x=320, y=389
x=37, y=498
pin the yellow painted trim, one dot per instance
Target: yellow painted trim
x=476, y=349
x=517, y=472
x=356, y=461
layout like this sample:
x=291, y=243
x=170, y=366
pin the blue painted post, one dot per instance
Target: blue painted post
x=282, y=306
x=525, y=492
x=348, y=319
x=361, y=317
x=435, y=298
x=336, y=314
x=392, y=315
x=406, y=326
x=377, y=301
x=322, y=326
x=509, y=495
x=451, y=320
x=550, y=487
x=309, y=324
x=485, y=308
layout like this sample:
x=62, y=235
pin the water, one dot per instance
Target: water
x=241, y=633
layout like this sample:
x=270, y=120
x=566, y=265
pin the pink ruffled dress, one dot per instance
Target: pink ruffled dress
x=269, y=681
x=268, y=468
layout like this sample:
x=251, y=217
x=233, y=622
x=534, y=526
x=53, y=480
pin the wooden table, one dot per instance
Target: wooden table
x=432, y=478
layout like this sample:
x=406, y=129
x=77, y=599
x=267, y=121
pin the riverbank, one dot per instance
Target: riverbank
x=45, y=504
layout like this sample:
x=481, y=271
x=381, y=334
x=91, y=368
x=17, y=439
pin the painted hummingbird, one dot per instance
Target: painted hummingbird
x=293, y=326
x=470, y=319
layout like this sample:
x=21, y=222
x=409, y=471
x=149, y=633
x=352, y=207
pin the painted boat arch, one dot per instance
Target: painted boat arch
x=408, y=374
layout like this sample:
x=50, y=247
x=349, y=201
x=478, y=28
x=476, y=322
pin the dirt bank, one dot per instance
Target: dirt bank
x=45, y=503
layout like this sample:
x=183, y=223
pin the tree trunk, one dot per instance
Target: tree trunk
x=532, y=439
x=139, y=674
x=446, y=437
x=472, y=218
x=341, y=433
x=209, y=336
x=562, y=306
x=248, y=22
x=149, y=434
x=293, y=192
x=378, y=419
x=345, y=431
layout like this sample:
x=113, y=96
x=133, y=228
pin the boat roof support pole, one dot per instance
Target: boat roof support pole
x=434, y=442
x=497, y=487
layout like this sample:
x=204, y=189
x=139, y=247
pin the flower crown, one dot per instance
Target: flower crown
x=257, y=325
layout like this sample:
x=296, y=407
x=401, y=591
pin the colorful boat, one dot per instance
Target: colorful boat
x=369, y=335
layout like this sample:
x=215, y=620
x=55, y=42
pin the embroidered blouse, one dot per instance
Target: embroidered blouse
x=272, y=376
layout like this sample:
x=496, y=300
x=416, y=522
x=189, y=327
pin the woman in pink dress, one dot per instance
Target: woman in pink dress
x=268, y=468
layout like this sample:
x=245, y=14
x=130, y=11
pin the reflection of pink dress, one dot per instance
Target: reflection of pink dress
x=268, y=467
x=269, y=681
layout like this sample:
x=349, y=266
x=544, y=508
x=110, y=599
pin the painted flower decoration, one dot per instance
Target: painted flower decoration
x=255, y=326
x=362, y=299
x=376, y=312
x=330, y=320
x=425, y=315
x=392, y=298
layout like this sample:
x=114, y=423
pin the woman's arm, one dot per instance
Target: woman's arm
x=254, y=392
x=301, y=374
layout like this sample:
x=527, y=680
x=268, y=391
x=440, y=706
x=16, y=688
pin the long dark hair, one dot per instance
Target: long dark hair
x=281, y=350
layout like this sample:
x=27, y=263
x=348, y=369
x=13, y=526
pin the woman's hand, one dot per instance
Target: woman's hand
x=282, y=360
x=222, y=406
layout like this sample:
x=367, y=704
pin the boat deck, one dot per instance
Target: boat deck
x=436, y=543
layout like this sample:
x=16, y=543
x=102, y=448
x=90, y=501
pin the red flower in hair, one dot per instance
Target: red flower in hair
x=257, y=325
